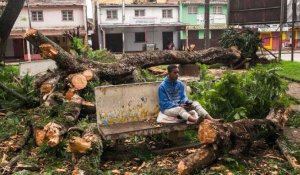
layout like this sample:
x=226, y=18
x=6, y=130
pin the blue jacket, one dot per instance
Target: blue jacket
x=171, y=94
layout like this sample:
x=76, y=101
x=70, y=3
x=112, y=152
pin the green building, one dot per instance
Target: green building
x=192, y=13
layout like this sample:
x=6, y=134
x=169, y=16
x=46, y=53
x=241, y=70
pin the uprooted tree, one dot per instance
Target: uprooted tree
x=63, y=92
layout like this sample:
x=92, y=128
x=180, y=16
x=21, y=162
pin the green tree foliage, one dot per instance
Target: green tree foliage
x=9, y=75
x=236, y=96
x=247, y=41
x=82, y=51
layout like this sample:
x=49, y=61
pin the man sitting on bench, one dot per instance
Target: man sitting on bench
x=173, y=100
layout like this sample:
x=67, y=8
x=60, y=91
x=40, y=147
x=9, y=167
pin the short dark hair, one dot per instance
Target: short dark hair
x=171, y=67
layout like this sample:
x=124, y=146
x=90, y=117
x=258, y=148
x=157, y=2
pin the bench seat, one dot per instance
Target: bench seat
x=125, y=130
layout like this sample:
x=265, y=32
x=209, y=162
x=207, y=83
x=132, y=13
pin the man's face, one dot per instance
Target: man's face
x=174, y=74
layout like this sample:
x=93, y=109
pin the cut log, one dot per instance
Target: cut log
x=207, y=132
x=72, y=111
x=83, y=144
x=77, y=81
x=201, y=158
x=90, y=144
x=49, y=85
x=39, y=136
x=233, y=138
x=88, y=107
x=79, y=145
x=53, y=99
x=70, y=93
x=88, y=74
x=51, y=133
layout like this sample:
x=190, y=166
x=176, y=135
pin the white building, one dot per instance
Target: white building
x=137, y=27
x=50, y=17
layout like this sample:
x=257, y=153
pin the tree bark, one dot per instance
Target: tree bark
x=64, y=60
x=233, y=138
x=7, y=21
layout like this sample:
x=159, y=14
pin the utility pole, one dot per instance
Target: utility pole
x=123, y=20
x=206, y=25
x=27, y=42
x=293, y=29
x=281, y=26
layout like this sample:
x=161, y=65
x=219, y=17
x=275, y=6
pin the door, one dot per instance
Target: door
x=18, y=48
x=114, y=42
x=194, y=39
x=167, y=39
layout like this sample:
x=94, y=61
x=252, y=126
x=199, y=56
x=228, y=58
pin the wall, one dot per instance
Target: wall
x=196, y=19
x=52, y=18
x=153, y=15
x=153, y=35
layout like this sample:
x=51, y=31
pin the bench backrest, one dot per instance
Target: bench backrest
x=126, y=103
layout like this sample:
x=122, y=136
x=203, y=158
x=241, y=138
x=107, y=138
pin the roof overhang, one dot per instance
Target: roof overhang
x=143, y=25
x=46, y=32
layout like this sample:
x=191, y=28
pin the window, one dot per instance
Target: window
x=37, y=16
x=218, y=10
x=139, y=37
x=67, y=15
x=192, y=9
x=112, y=14
x=167, y=13
x=139, y=13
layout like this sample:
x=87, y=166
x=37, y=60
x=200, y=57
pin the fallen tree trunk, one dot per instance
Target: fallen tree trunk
x=52, y=50
x=129, y=62
x=233, y=138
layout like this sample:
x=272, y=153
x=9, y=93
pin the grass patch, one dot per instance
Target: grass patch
x=11, y=124
x=290, y=70
x=294, y=120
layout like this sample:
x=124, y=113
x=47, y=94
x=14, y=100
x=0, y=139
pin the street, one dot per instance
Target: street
x=287, y=56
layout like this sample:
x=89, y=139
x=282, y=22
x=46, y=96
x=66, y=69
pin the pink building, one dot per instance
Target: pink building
x=50, y=17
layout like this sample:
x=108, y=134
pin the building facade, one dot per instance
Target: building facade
x=138, y=26
x=50, y=17
x=192, y=12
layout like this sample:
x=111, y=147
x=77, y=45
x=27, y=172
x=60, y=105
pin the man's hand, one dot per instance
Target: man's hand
x=183, y=106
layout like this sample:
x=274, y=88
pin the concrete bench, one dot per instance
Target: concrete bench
x=130, y=110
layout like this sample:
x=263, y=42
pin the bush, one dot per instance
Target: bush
x=236, y=96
